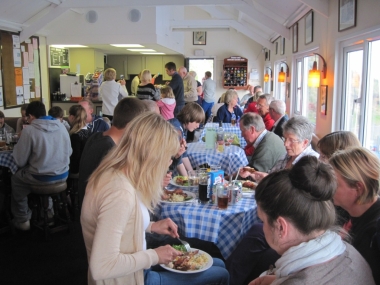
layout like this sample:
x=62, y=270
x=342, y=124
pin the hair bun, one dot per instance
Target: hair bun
x=313, y=177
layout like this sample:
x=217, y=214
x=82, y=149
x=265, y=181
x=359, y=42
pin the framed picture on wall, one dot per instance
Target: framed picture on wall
x=199, y=38
x=323, y=99
x=282, y=46
x=295, y=37
x=309, y=28
x=347, y=14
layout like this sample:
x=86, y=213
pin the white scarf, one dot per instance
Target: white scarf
x=306, y=254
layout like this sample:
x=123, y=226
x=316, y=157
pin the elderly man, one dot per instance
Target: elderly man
x=42, y=155
x=246, y=97
x=277, y=112
x=263, y=108
x=177, y=85
x=189, y=85
x=94, y=123
x=267, y=147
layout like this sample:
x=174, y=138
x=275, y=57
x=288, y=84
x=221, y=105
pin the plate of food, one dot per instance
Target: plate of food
x=180, y=181
x=177, y=196
x=248, y=186
x=194, y=261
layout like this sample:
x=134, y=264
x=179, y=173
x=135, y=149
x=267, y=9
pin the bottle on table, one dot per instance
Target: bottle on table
x=220, y=138
x=233, y=119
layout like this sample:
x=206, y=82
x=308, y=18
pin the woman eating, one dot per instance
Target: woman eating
x=358, y=172
x=115, y=212
x=230, y=108
x=298, y=216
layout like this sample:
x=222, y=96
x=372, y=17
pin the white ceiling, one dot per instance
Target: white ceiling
x=261, y=20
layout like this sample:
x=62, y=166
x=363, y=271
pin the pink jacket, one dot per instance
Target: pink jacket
x=167, y=106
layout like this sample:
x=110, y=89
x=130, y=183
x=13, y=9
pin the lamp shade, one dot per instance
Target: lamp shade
x=314, y=78
x=281, y=75
x=266, y=77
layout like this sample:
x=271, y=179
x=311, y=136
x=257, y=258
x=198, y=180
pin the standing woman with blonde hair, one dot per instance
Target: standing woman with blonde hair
x=78, y=135
x=146, y=90
x=110, y=90
x=115, y=212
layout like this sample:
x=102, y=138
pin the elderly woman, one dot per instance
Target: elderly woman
x=357, y=172
x=230, y=107
x=146, y=90
x=110, y=90
x=298, y=216
x=115, y=212
x=4, y=128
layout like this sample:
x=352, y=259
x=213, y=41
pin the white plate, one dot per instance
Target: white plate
x=175, y=184
x=189, y=194
x=204, y=268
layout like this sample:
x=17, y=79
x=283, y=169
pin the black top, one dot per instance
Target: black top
x=178, y=89
x=78, y=141
x=362, y=231
x=278, y=130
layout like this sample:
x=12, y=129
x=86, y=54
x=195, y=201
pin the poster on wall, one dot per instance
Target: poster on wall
x=59, y=57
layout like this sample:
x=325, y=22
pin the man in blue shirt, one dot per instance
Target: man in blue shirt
x=94, y=123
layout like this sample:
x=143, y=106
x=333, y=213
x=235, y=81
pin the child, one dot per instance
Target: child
x=167, y=102
x=57, y=113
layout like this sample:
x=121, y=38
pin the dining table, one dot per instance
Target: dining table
x=227, y=128
x=230, y=159
x=7, y=160
x=225, y=228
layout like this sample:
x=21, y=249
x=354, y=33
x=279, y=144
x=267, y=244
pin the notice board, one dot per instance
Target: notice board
x=20, y=78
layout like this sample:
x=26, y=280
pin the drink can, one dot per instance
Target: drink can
x=233, y=194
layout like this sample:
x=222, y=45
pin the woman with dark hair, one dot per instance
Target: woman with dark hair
x=298, y=216
x=358, y=172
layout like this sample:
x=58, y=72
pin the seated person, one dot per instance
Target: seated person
x=277, y=109
x=23, y=120
x=78, y=135
x=4, y=128
x=298, y=225
x=95, y=123
x=42, y=155
x=230, y=107
x=57, y=113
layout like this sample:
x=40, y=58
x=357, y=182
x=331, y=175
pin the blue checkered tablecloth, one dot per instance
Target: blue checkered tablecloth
x=6, y=159
x=225, y=228
x=230, y=160
x=228, y=129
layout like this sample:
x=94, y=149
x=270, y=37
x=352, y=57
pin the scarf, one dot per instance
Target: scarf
x=306, y=254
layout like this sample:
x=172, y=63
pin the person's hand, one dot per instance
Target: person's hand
x=167, y=179
x=167, y=82
x=166, y=254
x=244, y=174
x=263, y=280
x=122, y=81
x=258, y=176
x=165, y=227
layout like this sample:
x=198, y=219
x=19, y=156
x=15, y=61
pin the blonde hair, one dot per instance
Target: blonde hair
x=146, y=77
x=80, y=117
x=143, y=155
x=230, y=94
x=339, y=140
x=109, y=74
x=167, y=92
x=358, y=165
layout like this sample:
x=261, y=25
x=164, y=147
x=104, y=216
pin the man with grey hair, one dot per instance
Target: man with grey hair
x=189, y=85
x=263, y=108
x=277, y=112
x=267, y=147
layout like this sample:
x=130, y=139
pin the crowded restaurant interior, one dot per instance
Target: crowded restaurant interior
x=226, y=142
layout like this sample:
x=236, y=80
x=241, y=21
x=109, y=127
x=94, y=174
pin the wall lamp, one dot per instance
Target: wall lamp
x=266, y=75
x=281, y=74
x=314, y=78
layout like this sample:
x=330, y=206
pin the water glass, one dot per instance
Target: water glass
x=204, y=196
x=193, y=178
x=222, y=194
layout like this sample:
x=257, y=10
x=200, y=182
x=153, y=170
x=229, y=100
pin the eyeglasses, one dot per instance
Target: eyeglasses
x=290, y=141
x=260, y=106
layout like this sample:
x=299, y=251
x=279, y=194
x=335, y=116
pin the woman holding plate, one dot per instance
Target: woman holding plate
x=115, y=211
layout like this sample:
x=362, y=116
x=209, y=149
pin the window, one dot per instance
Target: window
x=279, y=87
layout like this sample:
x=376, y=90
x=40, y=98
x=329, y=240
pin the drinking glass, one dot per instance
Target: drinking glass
x=222, y=194
x=193, y=178
x=228, y=138
x=203, y=188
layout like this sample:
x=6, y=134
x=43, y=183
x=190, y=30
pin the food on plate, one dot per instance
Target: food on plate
x=249, y=184
x=175, y=196
x=189, y=261
x=180, y=247
x=182, y=180
x=249, y=169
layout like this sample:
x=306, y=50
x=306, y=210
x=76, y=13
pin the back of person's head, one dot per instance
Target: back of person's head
x=193, y=73
x=223, y=98
x=230, y=94
x=252, y=120
x=358, y=165
x=302, y=194
x=334, y=141
x=257, y=88
x=146, y=76
x=151, y=106
x=36, y=109
x=79, y=118
x=89, y=102
x=126, y=110
x=171, y=66
x=257, y=95
x=134, y=156
x=278, y=106
x=109, y=74
x=191, y=113
x=208, y=74
x=167, y=92
x=300, y=126
x=108, y=121
x=268, y=98
x=56, y=112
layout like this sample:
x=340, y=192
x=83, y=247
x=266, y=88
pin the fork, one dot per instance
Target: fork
x=186, y=244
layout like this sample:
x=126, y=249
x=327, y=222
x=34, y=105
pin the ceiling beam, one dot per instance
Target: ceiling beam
x=38, y=24
x=219, y=24
x=56, y=2
x=319, y=6
x=263, y=20
x=10, y=26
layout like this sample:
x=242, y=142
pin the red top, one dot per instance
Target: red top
x=251, y=108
